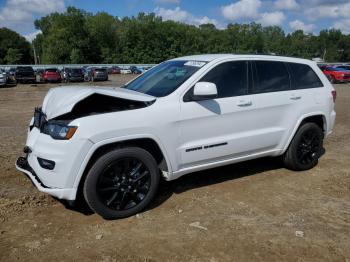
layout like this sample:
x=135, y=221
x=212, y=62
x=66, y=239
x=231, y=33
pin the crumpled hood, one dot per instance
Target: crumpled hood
x=61, y=100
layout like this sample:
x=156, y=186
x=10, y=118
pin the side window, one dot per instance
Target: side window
x=270, y=76
x=230, y=79
x=304, y=77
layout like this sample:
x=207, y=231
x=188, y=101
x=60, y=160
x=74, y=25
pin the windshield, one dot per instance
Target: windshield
x=51, y=70
x=76, y=70
x=25, y=68
x=165, y=78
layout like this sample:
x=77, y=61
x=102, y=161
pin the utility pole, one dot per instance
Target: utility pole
x=324, y=55
x=35, y=58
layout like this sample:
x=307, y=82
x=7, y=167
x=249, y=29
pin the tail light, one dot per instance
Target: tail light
x=334, y=95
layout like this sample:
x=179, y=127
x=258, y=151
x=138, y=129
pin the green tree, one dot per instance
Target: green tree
x=76, y=36
x=14, y=49
x=13, y=56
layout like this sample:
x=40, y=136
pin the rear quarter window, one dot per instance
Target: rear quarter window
x=303, y=76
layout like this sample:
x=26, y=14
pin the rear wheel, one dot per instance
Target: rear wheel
x=121, y=183
x=305, y=149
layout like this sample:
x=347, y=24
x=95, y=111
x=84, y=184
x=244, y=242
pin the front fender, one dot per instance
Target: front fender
x=101, y=143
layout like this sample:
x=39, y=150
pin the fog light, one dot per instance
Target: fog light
x=47, y=164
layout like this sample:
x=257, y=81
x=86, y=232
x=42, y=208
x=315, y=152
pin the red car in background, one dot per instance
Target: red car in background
x=51, y=75
x=114, y=70
x=336, y=74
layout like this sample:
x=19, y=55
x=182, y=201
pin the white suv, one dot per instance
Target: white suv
x=112, y=145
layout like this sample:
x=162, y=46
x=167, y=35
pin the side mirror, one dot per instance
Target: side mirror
x=204, y=91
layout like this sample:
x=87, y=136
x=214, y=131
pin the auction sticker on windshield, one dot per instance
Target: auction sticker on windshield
x=195, y=63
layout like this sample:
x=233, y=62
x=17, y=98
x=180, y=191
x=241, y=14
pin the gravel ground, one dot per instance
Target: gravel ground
x=252, y=211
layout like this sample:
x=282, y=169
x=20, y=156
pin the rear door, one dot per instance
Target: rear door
x=274, y=104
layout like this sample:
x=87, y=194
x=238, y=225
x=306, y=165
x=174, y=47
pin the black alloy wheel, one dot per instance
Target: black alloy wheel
x=122, y=182
x=305, y=149
x=309, y=147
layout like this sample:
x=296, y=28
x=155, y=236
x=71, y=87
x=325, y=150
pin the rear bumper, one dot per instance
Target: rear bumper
x=52, y=79
x=101, y=77
x=76, y=78
x=23, y=166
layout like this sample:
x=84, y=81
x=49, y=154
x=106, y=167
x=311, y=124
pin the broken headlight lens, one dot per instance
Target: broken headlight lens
x=59, y=130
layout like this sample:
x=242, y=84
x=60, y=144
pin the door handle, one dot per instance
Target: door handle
x=295, y=97
x=245, y=103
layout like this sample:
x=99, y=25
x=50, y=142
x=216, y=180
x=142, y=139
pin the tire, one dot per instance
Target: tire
x=107, y=187
x=305, y=149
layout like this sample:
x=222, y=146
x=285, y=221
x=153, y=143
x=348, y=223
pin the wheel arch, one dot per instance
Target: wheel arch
x=148, y=143
x=319, y=118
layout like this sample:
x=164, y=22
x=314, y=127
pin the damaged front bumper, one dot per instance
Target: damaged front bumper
x=53, y=165
x=23, y=165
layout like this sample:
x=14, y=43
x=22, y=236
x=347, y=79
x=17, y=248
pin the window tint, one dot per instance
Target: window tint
x=270, y=76
x=230, y=78
x=304, y=77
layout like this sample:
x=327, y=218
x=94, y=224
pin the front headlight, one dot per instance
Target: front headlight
x=59, y=130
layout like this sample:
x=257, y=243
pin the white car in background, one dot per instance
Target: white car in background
x=184, y=115
x=3, y=77
x=125, y=71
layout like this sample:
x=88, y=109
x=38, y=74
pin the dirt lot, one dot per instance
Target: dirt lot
x=251, y=211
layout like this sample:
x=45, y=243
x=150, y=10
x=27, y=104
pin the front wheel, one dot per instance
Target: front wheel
x=305, y=149
x=121, y=183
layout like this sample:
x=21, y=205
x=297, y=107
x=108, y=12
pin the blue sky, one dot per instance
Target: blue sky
x=308, y=15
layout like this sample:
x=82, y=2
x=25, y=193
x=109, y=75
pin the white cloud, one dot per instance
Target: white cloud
x=176, y=14
x=328, y=11
x=300, y=25
x=167, y=1
x=31, y=36
x=272, y=19
x=179, y=15
x=286, y=5
x=205, y=20
x=343, y=25
x=246, y=9
x=19, y=15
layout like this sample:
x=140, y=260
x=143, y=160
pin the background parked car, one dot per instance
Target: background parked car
x=337, y=75
x=3, y=78
x=39, y=72
x=25, y=74
x=135, y=70
x=125, y=71
x=114, y=70
x=96, y=74
x=10, y=78
x=12, y=71
x=51, y=75
x=345, y=67
x=73, y=75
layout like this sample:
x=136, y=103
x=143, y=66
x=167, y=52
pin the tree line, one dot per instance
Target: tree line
x=76, y=36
